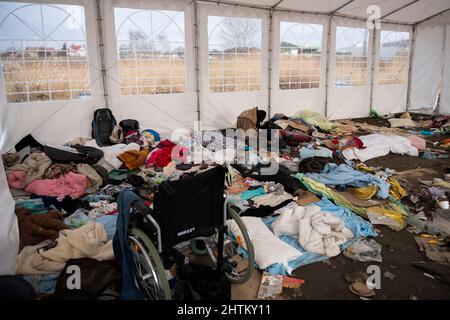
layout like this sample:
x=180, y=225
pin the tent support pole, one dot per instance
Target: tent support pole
x=372, y=66
x=327, y=65
x=410, y=69
x=270, y=64
x=101, y=45
x=197, y=57
x=441, y=86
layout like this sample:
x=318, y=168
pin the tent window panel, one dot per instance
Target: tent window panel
x=47, y=46
x=234, y=45
x=151, y=45
x=394, y=56
x=300, y=55
x=351, y=56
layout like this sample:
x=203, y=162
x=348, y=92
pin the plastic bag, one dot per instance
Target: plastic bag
x=364, y=250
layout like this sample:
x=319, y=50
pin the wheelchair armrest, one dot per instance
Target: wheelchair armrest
x=141, y=208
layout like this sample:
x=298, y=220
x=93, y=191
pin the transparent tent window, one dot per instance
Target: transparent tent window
x=151, y=51
x=234, y=58
x=45, y=58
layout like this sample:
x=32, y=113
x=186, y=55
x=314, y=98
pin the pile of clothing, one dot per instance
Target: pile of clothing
x=320, y=198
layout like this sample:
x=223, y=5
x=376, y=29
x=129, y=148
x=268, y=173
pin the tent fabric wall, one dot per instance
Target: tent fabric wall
x=445, y=98
x=220, y=110
x=427, y=65
x=49, y=120
x=345, y=102
x=291, y=101
x=9, y=231
x=389, y=98
x=160, y=112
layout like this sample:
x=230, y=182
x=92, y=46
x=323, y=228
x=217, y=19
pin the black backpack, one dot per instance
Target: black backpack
x=102, y=126
x=129, y=124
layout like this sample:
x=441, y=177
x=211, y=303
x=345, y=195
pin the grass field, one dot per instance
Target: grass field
x=61, y=79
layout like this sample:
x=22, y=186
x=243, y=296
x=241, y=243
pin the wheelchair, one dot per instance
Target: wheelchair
x=188, y=211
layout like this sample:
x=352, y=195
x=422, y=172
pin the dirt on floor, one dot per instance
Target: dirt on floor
x=399, y=250
x=325, y=280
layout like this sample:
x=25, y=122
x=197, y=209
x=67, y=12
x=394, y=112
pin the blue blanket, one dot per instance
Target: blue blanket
x=343, y=174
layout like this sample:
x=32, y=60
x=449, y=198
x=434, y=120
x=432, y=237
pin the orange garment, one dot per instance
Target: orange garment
x=238, y=186
x=133, y=158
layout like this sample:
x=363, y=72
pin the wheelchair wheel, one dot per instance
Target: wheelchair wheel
x=236, y=271
x=231, y=249
x=149, y=270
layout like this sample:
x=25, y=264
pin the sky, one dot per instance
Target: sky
x=52, y=23
x=66, y=23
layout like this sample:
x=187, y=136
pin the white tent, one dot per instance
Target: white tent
x=62, y=59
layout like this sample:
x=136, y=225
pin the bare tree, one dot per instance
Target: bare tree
x=163, y=43
x=139, y=41
x=239, y=33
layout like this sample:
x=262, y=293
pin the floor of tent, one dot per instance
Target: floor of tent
x=325, y=280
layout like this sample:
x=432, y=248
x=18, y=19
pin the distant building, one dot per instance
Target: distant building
x=77, y=51
x=38, y=52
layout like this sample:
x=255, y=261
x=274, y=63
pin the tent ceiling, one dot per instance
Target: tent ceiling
x=402, y=11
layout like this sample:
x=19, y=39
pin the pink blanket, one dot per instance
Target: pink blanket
x=16, y=178
x=71, y=184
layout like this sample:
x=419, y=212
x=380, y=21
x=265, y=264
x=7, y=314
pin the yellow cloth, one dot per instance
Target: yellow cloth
x=364, y=168
x=364, y=193
x=396, y=190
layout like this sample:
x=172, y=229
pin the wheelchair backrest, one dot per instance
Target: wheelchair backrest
x=190, y=207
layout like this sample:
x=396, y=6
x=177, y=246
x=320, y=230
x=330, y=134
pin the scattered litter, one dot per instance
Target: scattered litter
x=357, y=276
x=389, y=275
x=428, y=275
x=271, y=285
x=364, y=250
x=292, y=283
x=361, y=289
x=435, y=249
